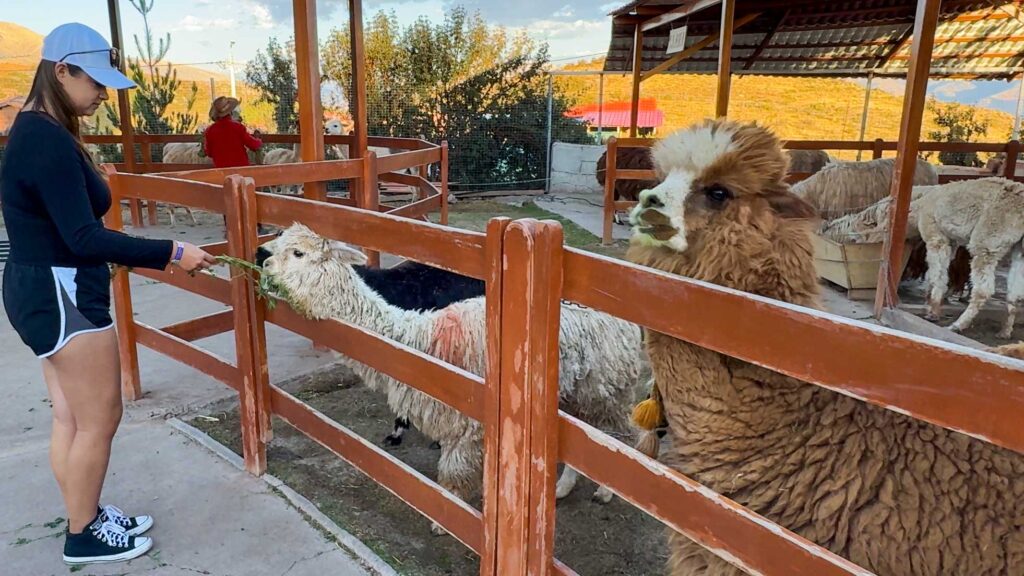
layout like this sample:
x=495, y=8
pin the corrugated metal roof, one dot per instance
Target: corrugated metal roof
x=832, y=38
x=620, y=118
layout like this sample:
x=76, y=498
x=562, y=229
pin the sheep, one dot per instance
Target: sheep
x=291, y=155
x=411, y=286
x=184, y=153
x=599, y=359
x=841, y=188
x=895, y=495
x=985, y=215
x=808, y=161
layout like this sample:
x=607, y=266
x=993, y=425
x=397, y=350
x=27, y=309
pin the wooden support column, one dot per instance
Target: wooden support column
x=357, y=94
x=725, y=58
x=925, y=22
x=124, y=107
x=311, y=113
x=864, y=112
x=638, y=60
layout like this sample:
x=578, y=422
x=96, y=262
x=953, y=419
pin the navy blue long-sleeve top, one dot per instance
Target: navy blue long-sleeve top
x=53, y=200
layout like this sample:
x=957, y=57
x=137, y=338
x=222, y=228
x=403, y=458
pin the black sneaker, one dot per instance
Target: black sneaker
x=103, y=542
x=133, y=525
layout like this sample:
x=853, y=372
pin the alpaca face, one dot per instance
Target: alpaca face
x=712, y=173
x=336, y=128
x=298, y=257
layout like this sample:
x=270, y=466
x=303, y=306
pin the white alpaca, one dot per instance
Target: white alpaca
x=337, y=128
x=842, y=188
x=986, y=216
x=599, y=355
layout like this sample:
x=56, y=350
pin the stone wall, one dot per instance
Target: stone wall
x=574, y=169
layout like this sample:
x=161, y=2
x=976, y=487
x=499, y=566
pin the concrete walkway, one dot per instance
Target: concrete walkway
x=211, y=518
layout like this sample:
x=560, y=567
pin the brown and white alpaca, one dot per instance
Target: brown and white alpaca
x=895, y=495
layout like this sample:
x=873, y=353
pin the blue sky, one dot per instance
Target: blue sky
x=203, y=29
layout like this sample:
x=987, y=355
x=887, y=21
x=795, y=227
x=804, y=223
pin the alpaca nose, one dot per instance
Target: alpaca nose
x=649, y=199
x=261, y=255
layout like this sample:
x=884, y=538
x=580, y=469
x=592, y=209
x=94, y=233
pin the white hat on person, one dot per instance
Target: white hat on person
x=80, y=45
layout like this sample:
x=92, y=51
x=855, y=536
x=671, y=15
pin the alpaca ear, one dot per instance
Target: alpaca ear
x=792, y=207
x=346, y=253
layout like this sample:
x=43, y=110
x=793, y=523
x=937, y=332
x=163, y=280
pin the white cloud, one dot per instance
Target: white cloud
x=564, y=12
x=261, y=16
x=193, y=24
x=950, y=88
x=985, y=102
x=607, y=8
x=1010, y=94
x=561, y=30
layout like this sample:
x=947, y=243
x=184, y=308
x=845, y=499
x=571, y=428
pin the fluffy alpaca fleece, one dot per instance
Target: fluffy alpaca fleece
x=599, y=355
x=842, y=188
x=411, y=286
x=808, y=161
x=986, y=216
x=897, y=496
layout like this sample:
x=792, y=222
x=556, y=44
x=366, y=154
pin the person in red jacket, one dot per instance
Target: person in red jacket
x=226, y=140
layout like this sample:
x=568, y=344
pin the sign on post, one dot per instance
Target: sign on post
x=676, y=40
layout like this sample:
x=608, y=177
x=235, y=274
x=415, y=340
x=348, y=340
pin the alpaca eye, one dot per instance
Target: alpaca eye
x=298, y=253
x=717, y=195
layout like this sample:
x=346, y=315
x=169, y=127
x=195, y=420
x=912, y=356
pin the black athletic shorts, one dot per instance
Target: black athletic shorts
x=50, y=305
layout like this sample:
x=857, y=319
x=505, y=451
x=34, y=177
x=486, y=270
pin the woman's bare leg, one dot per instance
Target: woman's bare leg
x=63, y=428
x=88, y=374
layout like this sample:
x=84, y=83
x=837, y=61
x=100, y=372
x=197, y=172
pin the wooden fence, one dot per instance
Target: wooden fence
x=528, y=272
x=877, y=148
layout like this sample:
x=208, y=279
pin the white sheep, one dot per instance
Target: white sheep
x=599, y=355
x=985, y=215
x=842, y=188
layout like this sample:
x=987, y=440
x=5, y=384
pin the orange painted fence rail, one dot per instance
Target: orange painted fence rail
x=877, y=147
x=528, y=273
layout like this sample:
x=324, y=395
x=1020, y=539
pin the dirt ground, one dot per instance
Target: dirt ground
x=594, y=539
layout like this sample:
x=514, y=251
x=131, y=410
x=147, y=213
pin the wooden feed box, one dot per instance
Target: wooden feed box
x=851, y=266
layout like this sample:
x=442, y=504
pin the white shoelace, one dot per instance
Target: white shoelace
x=112, y=534
x=115, y=515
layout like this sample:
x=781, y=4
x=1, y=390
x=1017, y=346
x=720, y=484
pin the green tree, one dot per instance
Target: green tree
x=479, y=87
x=957, y=123
x=273, y=74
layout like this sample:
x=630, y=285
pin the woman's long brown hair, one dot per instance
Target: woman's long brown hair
x=48, y=95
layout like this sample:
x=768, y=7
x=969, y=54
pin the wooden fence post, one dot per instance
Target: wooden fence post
x=444, y=183
x=124, y=317
x=254, y=448
x=147, y=159
x=1010, y=166
x=610, y=165
x=367, y=197
x=876, y=149
x=528, y=397
x=492, y=379
x=257, y=312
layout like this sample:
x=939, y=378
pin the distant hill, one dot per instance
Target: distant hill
x=20, y=49
x=797, y=108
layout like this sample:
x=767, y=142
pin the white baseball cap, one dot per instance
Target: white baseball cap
x=84, y=47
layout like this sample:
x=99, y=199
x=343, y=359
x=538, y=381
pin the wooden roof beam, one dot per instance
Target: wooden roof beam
x=691, y=7
x=900, y=43
x=766, y=41
x=707, y=41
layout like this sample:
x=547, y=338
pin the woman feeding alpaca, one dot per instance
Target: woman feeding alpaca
x=56, y=285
